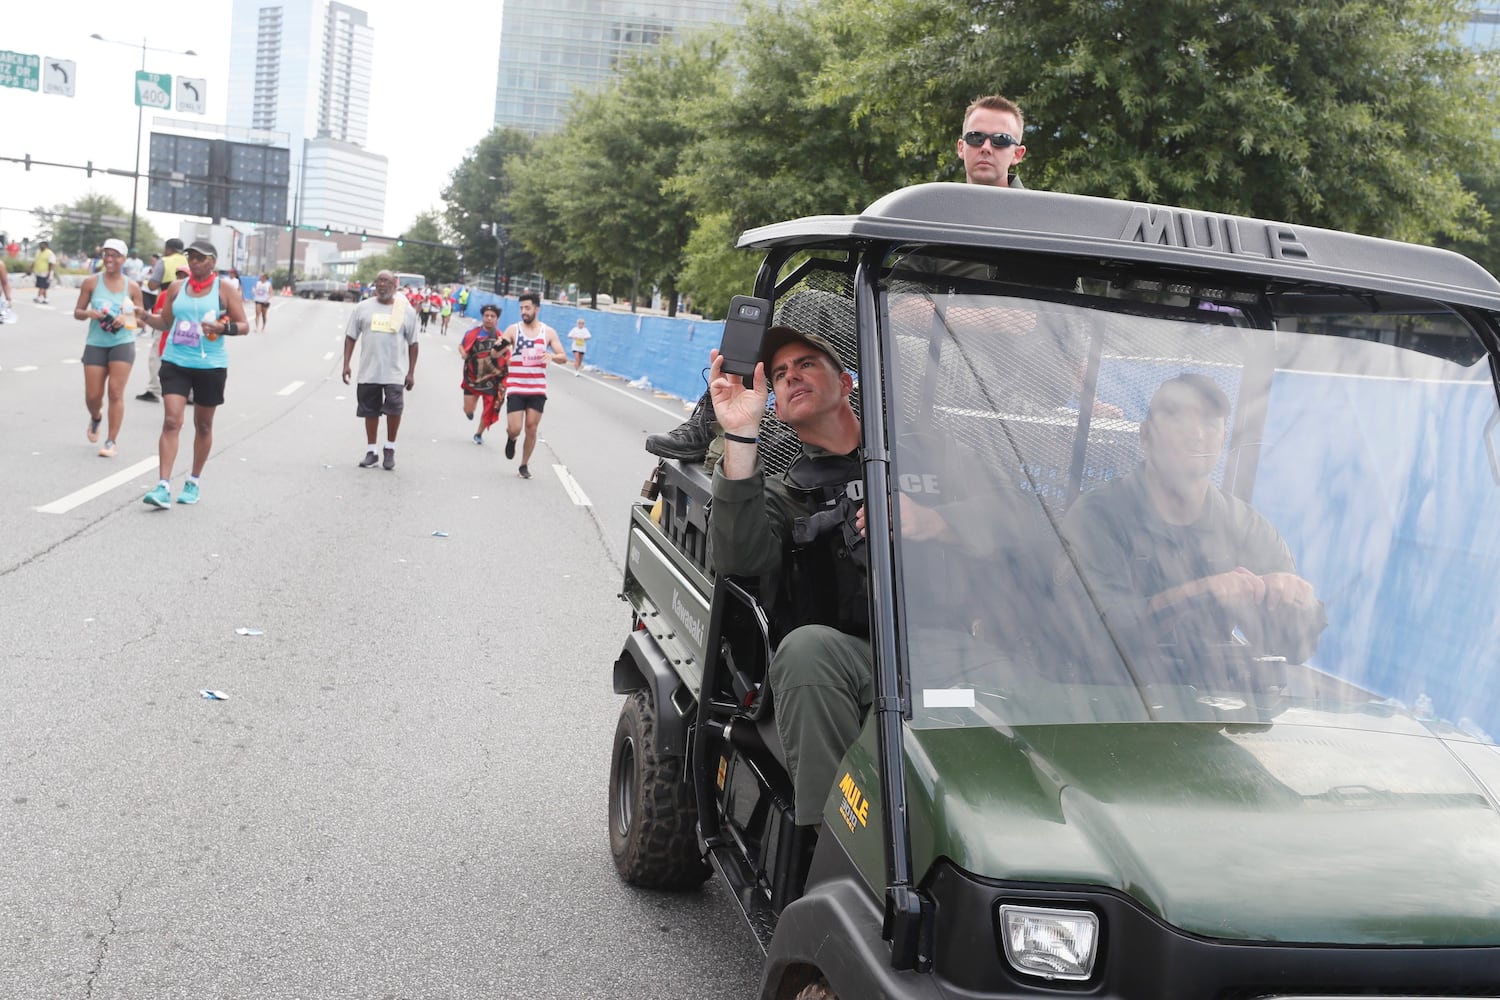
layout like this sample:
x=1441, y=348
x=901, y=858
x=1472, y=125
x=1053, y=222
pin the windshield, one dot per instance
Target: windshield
x=1135, y=499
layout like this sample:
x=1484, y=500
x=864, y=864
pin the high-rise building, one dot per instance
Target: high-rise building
x=303, y=67
x=1483, y=29
x=549, y=48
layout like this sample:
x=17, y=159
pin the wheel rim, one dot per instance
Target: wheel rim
x=625, y=788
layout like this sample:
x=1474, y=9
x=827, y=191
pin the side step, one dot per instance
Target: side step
x=752, y=901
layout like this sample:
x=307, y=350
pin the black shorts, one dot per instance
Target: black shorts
x=42, y=281
x=375, y=399
x=515, y=403
x=205, y=385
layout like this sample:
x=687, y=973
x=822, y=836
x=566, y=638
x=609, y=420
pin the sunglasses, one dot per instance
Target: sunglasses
x=999, y=140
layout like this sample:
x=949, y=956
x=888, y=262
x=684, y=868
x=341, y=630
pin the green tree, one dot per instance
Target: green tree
x=613, y=212
x=439, y=263
x=715, y=271
x=543, y=205
x=773, y=145
x=80, y=226
x=1352, y=114
x=368, y=267
x=475, y=197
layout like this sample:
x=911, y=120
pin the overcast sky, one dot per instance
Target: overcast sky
x=433, y=97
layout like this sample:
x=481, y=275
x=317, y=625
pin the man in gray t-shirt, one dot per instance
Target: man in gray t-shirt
x=386, y=327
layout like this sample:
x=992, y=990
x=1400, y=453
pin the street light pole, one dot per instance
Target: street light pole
x=501, y=238
x=140, y=110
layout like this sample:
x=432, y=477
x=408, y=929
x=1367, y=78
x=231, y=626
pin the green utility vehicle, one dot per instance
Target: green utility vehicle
x=1120, y=745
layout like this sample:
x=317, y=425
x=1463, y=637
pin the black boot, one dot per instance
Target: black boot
x=688, y=442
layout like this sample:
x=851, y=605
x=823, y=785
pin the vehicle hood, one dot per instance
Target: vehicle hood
x=1292, y=832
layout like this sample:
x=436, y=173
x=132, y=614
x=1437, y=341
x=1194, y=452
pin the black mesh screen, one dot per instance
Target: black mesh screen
x=822, y=302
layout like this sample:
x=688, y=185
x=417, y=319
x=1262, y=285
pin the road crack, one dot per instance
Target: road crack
x=102, y=952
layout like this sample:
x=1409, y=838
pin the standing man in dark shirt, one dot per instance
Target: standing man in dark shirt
x=989, y=145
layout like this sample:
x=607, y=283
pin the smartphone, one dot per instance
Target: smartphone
x=744, y=332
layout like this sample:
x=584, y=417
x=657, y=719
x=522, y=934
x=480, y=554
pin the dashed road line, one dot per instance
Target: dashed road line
x=574, y=491
x=103, y=486
x=291, y=388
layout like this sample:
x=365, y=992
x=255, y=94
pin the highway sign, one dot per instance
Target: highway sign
x=17, y=69
x=59, y=76
x=153, y=90
x=192, y=95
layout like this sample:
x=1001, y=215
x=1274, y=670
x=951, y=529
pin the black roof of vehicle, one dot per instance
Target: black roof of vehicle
x=966, y=215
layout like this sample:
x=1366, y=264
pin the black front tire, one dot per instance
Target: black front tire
x=652, y=813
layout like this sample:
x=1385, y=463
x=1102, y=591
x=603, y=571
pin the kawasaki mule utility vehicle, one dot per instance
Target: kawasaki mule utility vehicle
x=1130, y=736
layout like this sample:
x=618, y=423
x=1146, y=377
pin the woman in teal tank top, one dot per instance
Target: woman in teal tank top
x=196, y=316
x=111, y=303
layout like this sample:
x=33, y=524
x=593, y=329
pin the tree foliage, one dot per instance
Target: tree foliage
x=715, y=271
x=1352, y=114
x=368, y=267
x=1365, y=115
x=773, y=145
x=439, y=264
x=79, y=227
x=475, y=198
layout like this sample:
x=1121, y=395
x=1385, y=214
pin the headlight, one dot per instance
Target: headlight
x=1053, y=944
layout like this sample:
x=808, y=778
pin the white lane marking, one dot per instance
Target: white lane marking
x=24, y=368
x=328, y=356
x=71, y=361
x=100, y=488
x=575, y=492
x=293, y=387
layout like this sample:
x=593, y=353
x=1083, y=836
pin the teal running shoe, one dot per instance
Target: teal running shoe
x=189, y=493
x=158, y=497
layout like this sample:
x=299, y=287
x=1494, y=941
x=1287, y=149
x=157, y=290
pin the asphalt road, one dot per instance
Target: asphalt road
x=404, y=795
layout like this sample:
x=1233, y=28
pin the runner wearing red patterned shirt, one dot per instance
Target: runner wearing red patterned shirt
x=486, y=356
x=536, y=345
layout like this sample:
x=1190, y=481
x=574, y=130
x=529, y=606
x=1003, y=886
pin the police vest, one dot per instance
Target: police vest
x=826, y=571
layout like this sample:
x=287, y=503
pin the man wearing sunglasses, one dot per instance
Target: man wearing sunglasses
x=989, y=145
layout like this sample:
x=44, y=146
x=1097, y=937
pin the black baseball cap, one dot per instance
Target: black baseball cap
x=203, y=247
x=489, y=307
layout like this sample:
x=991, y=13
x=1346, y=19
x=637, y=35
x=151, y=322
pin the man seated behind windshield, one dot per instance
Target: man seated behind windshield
x=804, y=531
x=1172, y=560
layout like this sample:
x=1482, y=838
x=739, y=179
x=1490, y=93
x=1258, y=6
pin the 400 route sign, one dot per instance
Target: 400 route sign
x=18, y=69
x=153, y=90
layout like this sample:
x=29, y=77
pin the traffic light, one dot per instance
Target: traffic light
x=327, y=231
x=364, y=236
x=401, y=240
x=288, y=226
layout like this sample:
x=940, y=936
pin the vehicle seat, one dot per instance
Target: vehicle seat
x=758, y=735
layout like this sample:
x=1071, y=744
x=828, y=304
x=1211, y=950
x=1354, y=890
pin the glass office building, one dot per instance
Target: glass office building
x=549, y=48
x=1483, y=31
x=303, y=67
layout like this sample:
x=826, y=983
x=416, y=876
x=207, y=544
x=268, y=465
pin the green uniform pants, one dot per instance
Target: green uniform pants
x=823, y=683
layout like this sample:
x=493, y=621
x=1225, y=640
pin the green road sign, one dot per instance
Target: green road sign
x=153, y=90
x=18, y=69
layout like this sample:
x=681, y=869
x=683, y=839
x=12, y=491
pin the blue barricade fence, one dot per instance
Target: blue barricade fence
x=672, y=353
